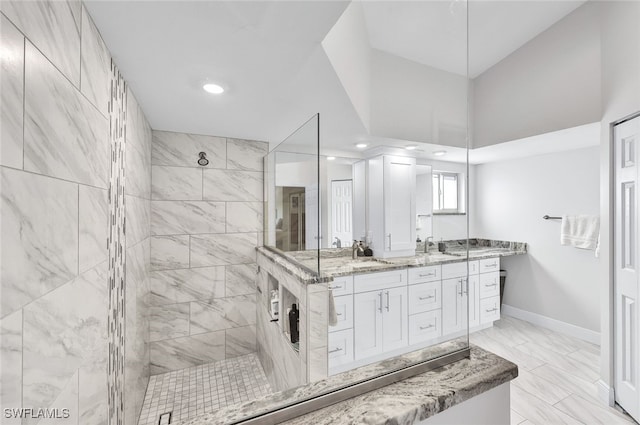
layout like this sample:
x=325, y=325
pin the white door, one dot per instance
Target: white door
x=627, y=356
x=367, y=324
x=452, y=315
x=313, y=233
x=399, y=203
x=341, y=211
x=395, y=318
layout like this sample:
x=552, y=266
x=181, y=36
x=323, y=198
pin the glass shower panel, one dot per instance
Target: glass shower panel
x=292, y=215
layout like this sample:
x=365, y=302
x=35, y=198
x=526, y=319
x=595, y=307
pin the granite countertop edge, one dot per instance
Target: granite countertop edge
x=404, y=402
x=307, y=276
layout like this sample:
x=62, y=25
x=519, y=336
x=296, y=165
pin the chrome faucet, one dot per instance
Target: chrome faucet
x=426, y=244
x=355, y=249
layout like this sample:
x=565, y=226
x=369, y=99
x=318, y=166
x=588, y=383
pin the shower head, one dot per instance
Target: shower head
x=203, y=159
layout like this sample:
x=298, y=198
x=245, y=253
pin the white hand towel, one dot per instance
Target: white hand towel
x=333, y=314
x=580, y=231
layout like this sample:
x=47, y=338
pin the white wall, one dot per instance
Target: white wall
x=551, y=83
x=555, y=281
x=620, y=97
x=411, y=101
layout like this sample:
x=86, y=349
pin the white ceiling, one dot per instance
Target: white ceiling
x=268, y=57
x=496, y=29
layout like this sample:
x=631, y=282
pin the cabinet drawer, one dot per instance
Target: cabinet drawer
x=452, y=270
x=490, y=265
x=474, y=267
x=489, y=284
x=340, y=349
x=424, y=274
x=489, y=309
x=342, y=285
x=344, y=311
x=425, y=297
x=424, y=326
x=382, y=280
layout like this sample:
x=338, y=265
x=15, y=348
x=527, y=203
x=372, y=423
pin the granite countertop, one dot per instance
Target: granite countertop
x=403, y=402
x=338, y=262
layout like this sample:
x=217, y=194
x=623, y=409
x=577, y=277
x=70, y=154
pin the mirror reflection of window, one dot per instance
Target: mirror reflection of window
x=445, y=192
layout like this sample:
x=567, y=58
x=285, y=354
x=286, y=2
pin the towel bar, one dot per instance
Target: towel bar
x=548, y=217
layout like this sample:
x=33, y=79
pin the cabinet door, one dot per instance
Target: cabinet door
x=424, y=327
x=473, y=298
x=395, y=317
x=452, y=313
x=367, y=324
x=399, y=203
x=425, y=297
x=490, y=309
x=344, y=311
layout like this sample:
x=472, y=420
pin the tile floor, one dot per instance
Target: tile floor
x=557, y=375
x=196, y=390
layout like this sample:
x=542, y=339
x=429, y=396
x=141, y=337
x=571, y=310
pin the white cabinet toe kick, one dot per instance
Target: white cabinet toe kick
x=384, y=314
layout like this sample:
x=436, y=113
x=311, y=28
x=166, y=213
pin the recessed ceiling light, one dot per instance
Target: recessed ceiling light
x=439, y=153
x=213, y=88
x=331, y=158
x=410, y=147
x=361, y=145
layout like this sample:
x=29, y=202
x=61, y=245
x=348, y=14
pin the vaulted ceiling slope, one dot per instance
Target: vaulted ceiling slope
x=409, y=83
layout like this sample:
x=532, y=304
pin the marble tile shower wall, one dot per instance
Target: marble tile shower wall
x=55, y=159
x=205, y=225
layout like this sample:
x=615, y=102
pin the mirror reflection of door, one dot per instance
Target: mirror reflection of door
x=341, y=212
x=290, y=230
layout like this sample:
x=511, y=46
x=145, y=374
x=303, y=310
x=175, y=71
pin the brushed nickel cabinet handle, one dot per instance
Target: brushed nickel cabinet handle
x=387, y=300
x=428, y=297
x=422, y=328
x=335, y=351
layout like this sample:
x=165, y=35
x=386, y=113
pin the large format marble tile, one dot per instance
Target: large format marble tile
x=241, y=279
x=178, y=286
x=564, y=362
x=240, y=341
x=139, y=132
x=95, y=65
x=11, y=363
x=64, y=135
x=11, y=95
x=53, y=27
x=180, y=149
x=244, y=217
x=137, y=328
x=187, y=217
x=63, y=331
x=180, y=353
x=176, y=183
x=224, y=313
x=246, y=155
x=93, y=397
x=169, y=252
x=540, y=387
x=68, y=398
x=39, y=220
x=169, y=321
x=223, y=249
x=231, y=185
x=93, y=226
x=537, y=410
x=137, y=171
x=138, y=212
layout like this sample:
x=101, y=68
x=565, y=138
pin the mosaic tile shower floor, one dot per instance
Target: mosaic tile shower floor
x=205, y=388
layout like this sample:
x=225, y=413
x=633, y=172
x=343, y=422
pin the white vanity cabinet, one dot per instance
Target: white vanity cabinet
x=380, y=316
x=391, y=205
x=489, y=290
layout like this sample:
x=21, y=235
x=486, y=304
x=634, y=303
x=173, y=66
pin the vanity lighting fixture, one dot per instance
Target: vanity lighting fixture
x=361, y=145
x=410, y=147
x=331, y=158
x=439, y=153
x=213, y=88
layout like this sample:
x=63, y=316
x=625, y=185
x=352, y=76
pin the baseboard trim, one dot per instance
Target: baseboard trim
x=553, y=324
x=606, y=393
